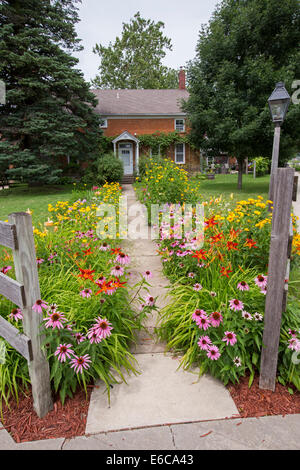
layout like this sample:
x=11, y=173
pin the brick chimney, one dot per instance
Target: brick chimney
x=181, y=78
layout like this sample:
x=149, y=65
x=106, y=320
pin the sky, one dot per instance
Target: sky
x=101, y=22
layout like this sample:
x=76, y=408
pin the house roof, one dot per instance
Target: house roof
x=140, y=102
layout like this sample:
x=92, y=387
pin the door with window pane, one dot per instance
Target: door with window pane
x=126, y=155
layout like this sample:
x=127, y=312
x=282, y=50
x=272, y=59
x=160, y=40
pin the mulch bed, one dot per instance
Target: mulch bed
x=254, y=402
x=68, y=421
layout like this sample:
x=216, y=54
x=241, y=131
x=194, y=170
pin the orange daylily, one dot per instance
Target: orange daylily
x=199, y=254
x=86, y=274
x=250, y=243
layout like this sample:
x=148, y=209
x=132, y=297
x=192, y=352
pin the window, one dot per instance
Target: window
x=179, y=125
x=180, y=153
x=103, y=123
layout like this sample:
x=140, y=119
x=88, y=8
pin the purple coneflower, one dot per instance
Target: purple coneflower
x=257, y=316
x=242, y=285
x=246, y=315
x=204, y=343
x=213, y=353
x=237, y=361
x=148, y=274
x=236, y=304
x=203, y=322
x=80, y=362
x=294, y=344
x=55, y=320
x=103, y=327
x=16, y=314
x=123, y=259
x=229, y=338
x=79, y=337
x=86, y=293
x=63, y=352
x=94, y=336
x=261, y=281
x=39, y=305
x=39, y=261
x=215, y=319
x=197, y=314
x=117, y=271
x=197, y=287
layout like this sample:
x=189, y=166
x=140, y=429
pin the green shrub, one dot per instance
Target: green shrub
x=106, y=168
x=109, y=169
x=262, y=166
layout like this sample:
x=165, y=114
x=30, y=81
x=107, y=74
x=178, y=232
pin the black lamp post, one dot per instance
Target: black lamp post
x=278, y=104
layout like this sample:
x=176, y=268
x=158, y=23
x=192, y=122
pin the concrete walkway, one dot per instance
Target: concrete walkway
x=161, y=394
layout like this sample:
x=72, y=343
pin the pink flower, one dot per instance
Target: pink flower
x=293, y=333
x=203, y=322
x=204, y=343
x=197, y=287
x=261, y=281
x=294, y=344
x=39, y=260
x=5, y=269
x=39, y=305
x=100, y=281
x=123, y=259
x=55, y=320
x=117, y=271
x=103, y=327
x=79, y=337
x=80, y=362
x=213, y=353
x=150, y=300
x=246, y=315
x=257, y=316
x=242, y=285
x=198, y=313
x=215, y=319
x=63, y=352
x=191, y=275
x=229, y=338
x=236, y=304
x=16, y=314
x=104, y=247
x=94, y=335
x=86, y=293
x=148, y=275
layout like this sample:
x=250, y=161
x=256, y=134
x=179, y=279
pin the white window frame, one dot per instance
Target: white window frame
x=183, y=124
x=183, y=153
x=103, y=123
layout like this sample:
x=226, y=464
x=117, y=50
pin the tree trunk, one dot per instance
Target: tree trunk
x=240, y=175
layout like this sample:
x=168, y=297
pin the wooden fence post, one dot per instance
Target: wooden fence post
x=277, y=272
x=27, y=275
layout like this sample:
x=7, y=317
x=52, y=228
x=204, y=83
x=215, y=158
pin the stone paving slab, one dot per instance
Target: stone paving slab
x=159, y=438
x=265, y=433
x=160, y=395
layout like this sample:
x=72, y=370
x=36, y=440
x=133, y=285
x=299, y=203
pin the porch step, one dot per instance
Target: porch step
x=127, y=179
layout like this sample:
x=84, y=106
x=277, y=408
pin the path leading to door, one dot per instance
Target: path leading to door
x=161, y=393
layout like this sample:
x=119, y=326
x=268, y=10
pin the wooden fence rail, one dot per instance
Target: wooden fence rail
x=24, y=292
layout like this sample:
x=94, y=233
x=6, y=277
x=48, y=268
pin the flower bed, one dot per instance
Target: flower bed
x=88, y=321
x=218, y=287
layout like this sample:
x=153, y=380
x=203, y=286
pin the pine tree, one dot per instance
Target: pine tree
x=48, y=114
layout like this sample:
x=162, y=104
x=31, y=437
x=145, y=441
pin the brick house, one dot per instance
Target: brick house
x=128, y=114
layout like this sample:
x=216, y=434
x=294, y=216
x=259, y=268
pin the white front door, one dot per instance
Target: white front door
x=126, y=155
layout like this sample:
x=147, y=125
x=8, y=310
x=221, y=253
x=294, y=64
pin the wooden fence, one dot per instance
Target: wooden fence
x=24, y=292
x=285, y=191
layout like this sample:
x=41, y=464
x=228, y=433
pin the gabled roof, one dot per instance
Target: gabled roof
x=140, y=102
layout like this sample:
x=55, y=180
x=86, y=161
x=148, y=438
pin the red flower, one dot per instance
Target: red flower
x=116, y=251
x=234, y=233
x=217, y=238
x=87, y=252
x=250, y=243
x=200, y=254
x=225, y=271
x=210, y=222
x=86, y=274
x=232, y=245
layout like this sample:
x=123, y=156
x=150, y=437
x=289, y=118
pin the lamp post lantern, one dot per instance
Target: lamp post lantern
x=278, y=104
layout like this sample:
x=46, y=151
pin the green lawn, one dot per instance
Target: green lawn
x=227, y=184
x=36, y=199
